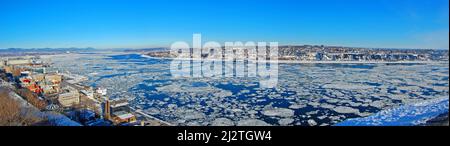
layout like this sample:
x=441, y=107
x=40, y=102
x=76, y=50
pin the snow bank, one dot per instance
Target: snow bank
x=406, y=115
x=60, y=120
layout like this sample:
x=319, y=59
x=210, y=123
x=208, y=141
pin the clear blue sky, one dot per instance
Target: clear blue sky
x=155, y=23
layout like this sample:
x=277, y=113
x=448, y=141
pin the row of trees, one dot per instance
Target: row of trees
x=12, y=114
x=32, y=98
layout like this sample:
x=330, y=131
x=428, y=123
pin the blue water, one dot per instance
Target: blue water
x=150, y=87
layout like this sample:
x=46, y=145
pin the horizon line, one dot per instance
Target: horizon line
x=139, y=48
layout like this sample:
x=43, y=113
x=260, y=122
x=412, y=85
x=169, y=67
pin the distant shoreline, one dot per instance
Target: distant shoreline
x=362, y=62
x=316, y=62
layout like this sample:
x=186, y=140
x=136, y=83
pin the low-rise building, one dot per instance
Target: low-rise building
x=18, y=62
x=123, y=117
x=118, y=111
x=69, y=97
x=2, y=63
x=101, y=91
x=51, y=89
x=38, y=77
x=53, y=78
x=88, y=93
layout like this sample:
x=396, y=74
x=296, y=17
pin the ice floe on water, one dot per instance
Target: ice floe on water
x=297, y=106
x=345, y=110
x=311, y=122
x=306, y=94
x=279, y=112
x=222, y=122
x=286, y=121
x=180, y=88
x=347, y=86
x=252, y=122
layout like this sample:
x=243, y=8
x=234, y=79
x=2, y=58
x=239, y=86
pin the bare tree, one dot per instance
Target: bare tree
x=9, y=109
x=12, y=114
x=32, y=98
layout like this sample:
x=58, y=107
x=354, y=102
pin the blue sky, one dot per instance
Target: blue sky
x=158, y=23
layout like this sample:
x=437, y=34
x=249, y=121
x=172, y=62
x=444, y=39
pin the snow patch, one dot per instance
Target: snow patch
x=406, y=115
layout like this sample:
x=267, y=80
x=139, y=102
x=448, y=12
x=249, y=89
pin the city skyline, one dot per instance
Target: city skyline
x=144, y=24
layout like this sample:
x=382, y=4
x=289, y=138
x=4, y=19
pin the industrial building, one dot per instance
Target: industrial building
x=118, y=111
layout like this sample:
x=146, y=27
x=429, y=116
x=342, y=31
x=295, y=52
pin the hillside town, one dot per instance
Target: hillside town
x=330, y=53
x=322, y=53
x=62, y=94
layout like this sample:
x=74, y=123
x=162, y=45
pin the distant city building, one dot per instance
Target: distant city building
x=2, y=63
x=101, y=91
x=18, y=62
x=88, y=93
x=329, y=53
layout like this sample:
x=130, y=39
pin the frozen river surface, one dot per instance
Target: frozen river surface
x=306, y=94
